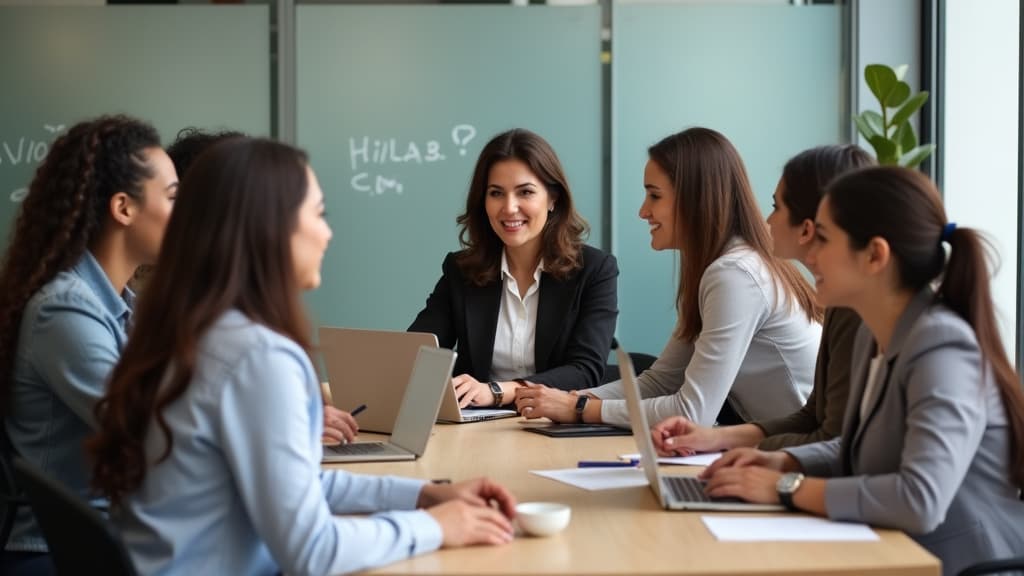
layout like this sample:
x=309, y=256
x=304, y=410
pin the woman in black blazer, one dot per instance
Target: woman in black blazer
x=524, y=300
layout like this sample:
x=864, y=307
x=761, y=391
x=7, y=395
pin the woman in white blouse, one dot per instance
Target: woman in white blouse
x=748, y=323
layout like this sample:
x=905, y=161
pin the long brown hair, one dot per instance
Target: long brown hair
x=563, y=235
x=64, y=212
x=227, y=246
x=903, y=206
x=714, y=203
x=805, y=176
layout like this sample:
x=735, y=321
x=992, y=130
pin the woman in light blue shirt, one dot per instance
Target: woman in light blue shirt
x=209, y=439
x=96, y=210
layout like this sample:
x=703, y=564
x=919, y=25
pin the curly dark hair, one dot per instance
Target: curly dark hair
x=64, y=211
x=563, y=235
x=191, y=142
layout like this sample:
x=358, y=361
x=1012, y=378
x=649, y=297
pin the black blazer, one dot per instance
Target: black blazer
x=575, y=321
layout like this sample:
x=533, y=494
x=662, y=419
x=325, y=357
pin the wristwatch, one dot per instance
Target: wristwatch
x=787, y=486
x=581, y=403
x=496, y=390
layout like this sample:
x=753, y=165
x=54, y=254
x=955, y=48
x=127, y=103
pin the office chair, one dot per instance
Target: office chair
x=11, y=497
x=1015, y=564
x=81, y=540
x=640, y=360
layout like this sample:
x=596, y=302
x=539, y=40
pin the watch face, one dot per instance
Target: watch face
x=789, y=482
x=581, y=403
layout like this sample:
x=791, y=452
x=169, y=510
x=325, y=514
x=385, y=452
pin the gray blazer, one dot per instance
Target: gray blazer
x=930, y=457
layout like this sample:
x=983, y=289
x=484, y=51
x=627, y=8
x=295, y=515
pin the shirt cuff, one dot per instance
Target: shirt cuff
x=614, y=412
x=426, y=533
x=609, y=391
x=403, y=493
x=813, y=460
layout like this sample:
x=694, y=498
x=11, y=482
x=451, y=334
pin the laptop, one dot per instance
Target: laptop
x=370, y=367
x=451, y=413
x=431, y=375
x=672, y=492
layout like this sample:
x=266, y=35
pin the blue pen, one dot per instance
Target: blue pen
x=358, y=409
x=607, y=463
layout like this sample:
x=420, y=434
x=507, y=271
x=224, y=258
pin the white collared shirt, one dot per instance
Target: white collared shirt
x=517, y=327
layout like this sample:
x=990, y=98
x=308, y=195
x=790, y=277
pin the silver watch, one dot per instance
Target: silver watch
x=787, y=486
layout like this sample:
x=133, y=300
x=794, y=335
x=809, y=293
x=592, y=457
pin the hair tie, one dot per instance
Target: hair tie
x=947, y=232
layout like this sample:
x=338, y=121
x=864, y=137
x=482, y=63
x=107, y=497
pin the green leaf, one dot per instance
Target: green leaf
x=885, y=149
x=898, y=95
x=916, y=156
x=867, y=125
x=880, y=79
x=906, y=137
x=901, y=71
x=909, y=107
x=874, y=119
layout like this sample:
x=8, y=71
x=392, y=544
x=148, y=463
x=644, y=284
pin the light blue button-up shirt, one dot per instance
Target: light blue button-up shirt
x=71, y=336
x=242, y=491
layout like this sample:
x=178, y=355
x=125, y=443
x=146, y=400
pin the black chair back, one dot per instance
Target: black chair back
x=80, y=539
x=11, y=497
x=1004, y=566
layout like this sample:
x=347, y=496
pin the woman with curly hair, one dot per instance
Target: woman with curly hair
x=96, y=210
x=525, y=299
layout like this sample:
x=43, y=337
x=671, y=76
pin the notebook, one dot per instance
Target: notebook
x=672, y=492
x=370, y=367
x=431, y=375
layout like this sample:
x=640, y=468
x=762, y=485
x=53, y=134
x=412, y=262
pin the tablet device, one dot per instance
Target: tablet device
x=578, y=430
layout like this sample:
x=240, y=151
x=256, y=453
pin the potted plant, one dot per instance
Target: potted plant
x=890, y=132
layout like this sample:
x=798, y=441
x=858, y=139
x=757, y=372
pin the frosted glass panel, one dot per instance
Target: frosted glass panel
x=768, y=77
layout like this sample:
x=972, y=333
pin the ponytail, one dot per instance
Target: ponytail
x=966, y=290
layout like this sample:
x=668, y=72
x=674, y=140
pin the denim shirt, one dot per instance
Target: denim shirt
x=242, y=492
x=72, y=333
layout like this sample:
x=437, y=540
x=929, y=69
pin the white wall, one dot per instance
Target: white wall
x=981, y=126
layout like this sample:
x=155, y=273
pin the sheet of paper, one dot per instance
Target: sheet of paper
x=786, y=528
x=695, y=460
x=596, y=478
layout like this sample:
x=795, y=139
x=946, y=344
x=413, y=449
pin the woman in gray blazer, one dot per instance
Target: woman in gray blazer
x=933, y=436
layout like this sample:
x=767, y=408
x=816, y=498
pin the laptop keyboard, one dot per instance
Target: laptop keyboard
x=360, y=448
x=685, y=488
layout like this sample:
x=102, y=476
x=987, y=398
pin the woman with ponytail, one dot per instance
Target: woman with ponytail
x=933, y=438
x=95, y=211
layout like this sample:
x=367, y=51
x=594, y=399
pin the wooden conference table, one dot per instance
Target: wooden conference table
x=619, y=531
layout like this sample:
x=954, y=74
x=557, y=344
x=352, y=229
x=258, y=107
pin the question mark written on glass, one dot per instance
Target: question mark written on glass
x=462, y=134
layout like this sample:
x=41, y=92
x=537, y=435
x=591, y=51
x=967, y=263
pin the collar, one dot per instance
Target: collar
x=506, y=274
x=921, y=301
x=89, y=270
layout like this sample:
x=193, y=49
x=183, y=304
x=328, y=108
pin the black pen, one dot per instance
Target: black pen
x=358, y=409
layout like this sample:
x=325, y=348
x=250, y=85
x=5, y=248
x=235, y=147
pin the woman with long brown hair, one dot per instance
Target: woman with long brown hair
x=748, y=324
x=525, y=300
x=933, y=439
x=96, y=210
x=209, y=438
x=791, y=221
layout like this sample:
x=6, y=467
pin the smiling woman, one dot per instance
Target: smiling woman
x=747, y=329
x=525, y=300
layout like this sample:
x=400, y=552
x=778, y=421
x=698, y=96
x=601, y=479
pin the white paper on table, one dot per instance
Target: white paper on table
x=786, y=528
x=596, y=478
x=704, y=459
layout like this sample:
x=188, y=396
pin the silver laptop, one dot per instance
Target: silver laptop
x=370, y=367
x=431, y=376
x=672, y=492
x=451, y=413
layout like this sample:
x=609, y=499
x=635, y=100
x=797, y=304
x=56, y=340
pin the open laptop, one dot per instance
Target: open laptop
x=452, y=414
x=370, y=367
x=672, y=492
x=431, y=375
